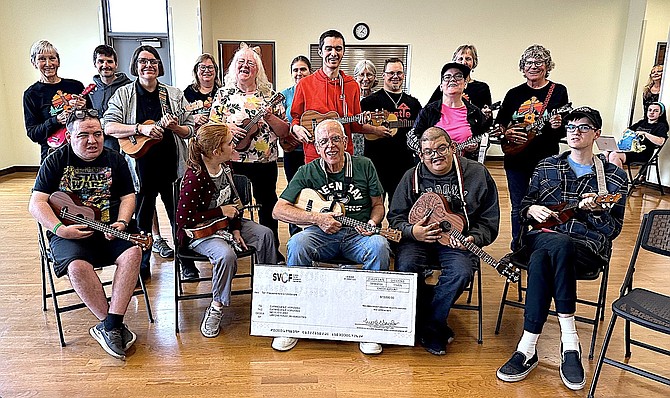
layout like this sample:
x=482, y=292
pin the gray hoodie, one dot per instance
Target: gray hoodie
x=100, y=97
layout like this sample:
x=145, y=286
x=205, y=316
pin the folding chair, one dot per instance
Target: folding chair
x=643, y=307
x=642, y=174
x=46, y=263
x=520, y=260
x=243, y=187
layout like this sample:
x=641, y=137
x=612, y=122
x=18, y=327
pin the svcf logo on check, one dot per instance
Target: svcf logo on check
x=285, y=277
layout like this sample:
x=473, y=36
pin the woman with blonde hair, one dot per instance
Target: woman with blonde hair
x=207, y=193
x=652, y=89
x=365, y=74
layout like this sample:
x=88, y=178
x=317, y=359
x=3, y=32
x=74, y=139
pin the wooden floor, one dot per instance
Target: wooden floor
x=162, y=364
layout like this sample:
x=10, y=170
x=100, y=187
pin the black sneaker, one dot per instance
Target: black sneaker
x=433, y=342
x=572, y=371
x=517, y=368
x=110, y=341
x=190, y=272
x=128, y=337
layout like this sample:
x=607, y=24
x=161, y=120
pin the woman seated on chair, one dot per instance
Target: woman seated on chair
x=207, y=194
x=653, y=131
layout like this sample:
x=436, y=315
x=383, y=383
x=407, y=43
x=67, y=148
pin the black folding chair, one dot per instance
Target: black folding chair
x=46, y=264
x=243, y=187
x=643, y=307
x=643, y=171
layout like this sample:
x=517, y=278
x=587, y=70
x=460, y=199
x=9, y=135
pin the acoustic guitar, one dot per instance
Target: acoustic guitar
x=137, y=146
x=69, y=209
x=57, y=139
x=436, y=207
x=532, y=126
x=567, y=211
x=250, y=125
x=310, y=119
x=312, y=201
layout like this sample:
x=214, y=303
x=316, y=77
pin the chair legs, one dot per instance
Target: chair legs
x=477, y=307
x=599, y=365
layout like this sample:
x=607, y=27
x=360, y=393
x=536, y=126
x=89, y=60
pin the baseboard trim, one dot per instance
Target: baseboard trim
x=19, y=169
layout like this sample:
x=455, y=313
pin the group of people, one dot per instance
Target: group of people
x=400, y=164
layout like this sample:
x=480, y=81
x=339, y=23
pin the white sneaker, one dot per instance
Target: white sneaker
x=211, y=321
x=370, y=348
x=284, y=343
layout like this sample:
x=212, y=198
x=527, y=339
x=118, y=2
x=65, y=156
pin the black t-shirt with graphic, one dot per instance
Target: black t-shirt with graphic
x=192, y=95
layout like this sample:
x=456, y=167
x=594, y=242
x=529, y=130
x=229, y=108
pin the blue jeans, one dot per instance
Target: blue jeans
x=434, y=304
x=312, y=244
x=517, y=184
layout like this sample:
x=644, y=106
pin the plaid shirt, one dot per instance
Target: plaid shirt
x=555, y=182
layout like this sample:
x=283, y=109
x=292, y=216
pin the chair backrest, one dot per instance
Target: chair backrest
x=243, y=187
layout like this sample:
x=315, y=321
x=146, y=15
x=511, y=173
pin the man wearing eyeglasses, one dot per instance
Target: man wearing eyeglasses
x=389, y=153
x=99, y=178
x=529, y=101
x=471, y=193
x=342, y=178
x=558, y=254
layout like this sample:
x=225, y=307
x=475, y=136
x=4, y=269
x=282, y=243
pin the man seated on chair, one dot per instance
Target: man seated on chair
x=98, y=177
x=344, y=179
x=559, y=254
x=471, y=194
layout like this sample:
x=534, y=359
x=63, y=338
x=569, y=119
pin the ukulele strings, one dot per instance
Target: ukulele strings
x=97, y=225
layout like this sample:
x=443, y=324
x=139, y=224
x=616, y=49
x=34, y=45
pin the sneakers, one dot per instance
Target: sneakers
x=370, y=348
x=128, y=337
x=284, y=343
x=432, y=344
x=110, y=341
x=161, y=247
x=517, y=368
x=211, y=321
x=190, y=272
x=572, y=371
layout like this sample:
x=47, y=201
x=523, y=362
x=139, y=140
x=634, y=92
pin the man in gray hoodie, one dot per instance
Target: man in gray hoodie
x=471, y=193
x=107, y=81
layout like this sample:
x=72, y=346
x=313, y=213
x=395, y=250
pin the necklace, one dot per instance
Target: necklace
x=396, y=103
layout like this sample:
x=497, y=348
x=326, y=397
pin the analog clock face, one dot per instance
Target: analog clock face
x=361, y=31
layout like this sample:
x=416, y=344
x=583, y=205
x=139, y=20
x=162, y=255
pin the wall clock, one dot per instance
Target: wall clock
x=361, y=31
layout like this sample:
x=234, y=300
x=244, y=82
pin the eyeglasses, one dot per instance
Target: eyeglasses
x=537, y=64
x=457, y=78
x=144, y=61
x=250, y=64
x=82, y=113
x=440, y=150
x=582, y=128
x=336, y=139
x=396, y=74
x=203, y=68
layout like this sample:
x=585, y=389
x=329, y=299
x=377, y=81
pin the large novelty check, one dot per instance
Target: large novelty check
x=334, y=304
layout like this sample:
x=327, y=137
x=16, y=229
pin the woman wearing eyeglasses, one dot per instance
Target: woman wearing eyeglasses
x=245, y=96
x=48, y=102
x=137, y=109
x=205, y=84
x=452, y=113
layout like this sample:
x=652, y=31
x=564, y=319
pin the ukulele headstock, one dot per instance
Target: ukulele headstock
x=508, y=270
x=143, y=240
x=393, y=235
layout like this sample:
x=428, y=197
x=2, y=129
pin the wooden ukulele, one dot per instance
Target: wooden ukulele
x=437, y=208
x=496, y=131
x=250, y=125
x=567, y=211
x=207, y=228
x=70, y=210
x=137, y=146
x=532, y=126
x=310, y=119
x=388, y=120
x=312, y=201
x=57, y=139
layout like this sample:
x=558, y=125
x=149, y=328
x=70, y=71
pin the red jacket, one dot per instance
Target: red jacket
x=317, y=92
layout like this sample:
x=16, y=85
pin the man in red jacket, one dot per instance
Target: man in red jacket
x=329, y=89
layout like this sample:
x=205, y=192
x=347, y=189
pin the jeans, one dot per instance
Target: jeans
x=517, y=183
x=312, y=244
x=434, y=304
x=555, y=263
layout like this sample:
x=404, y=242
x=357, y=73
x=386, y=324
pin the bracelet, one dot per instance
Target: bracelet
x=137, y=129
x=56, y=227
x=124, y=222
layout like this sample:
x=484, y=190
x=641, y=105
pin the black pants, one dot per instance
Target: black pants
x=292, y=161
x=146, y=207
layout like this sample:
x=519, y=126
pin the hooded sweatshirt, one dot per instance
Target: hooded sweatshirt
x=100, y=98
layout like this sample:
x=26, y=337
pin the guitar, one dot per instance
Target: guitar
x=533, y=127
x=57, y=139
x=137, y=146
x=310, y=119
x=70, y=211
x=437, y=208
x=567, y=211
x=312, y=201
x=250, y=125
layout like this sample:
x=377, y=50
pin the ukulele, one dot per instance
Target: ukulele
x=207, y=228
x=496, y=131
x=312, y=201
x=567, y=211
x=70, y=210
x=310, y=119
x=388, y=120
x=437, y=208
x=250, y=125
x=138, y=145
x=57, y=139
x=532, y=126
